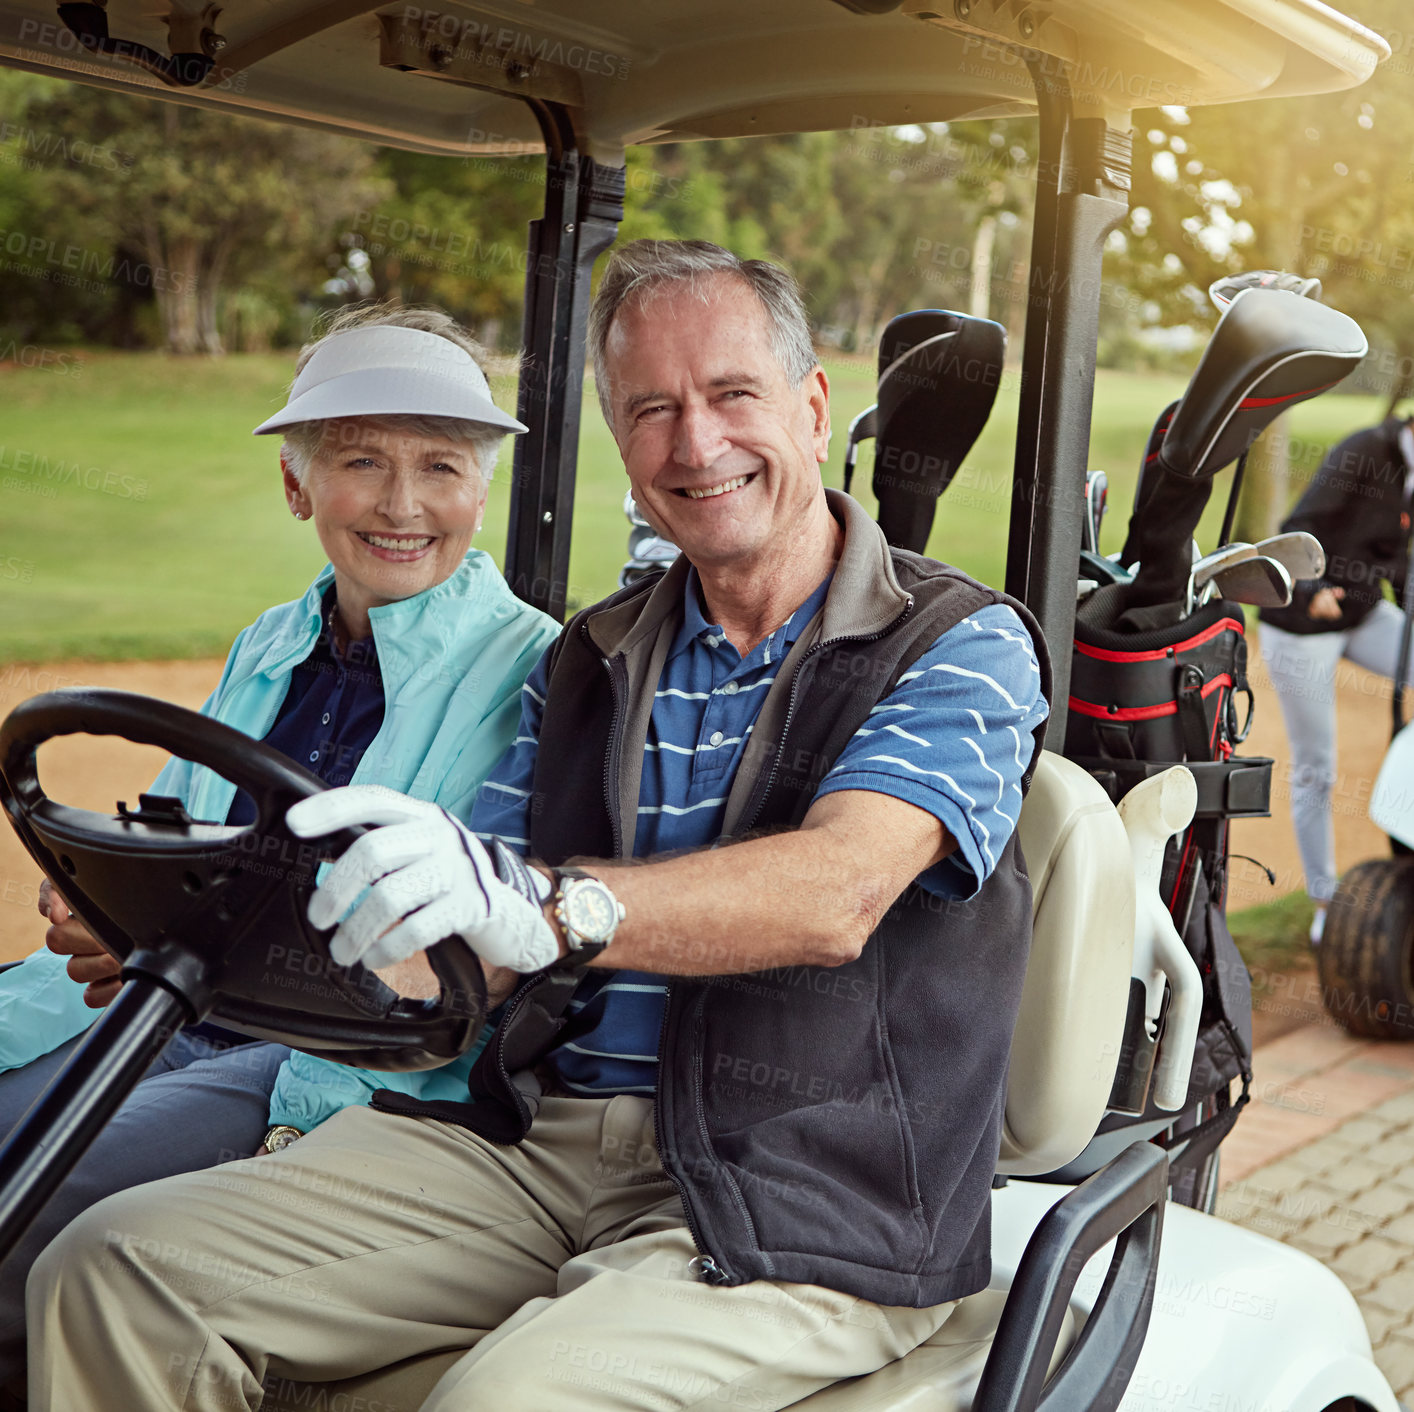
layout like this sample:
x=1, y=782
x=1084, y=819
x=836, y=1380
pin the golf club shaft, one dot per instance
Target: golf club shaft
x=1230, y=514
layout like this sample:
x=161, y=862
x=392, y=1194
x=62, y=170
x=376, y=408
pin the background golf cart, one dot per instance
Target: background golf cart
x=1366, y=954
x=426, y=79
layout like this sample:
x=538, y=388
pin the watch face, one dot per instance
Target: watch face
x=591, y=910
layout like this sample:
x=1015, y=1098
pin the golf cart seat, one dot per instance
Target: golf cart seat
x=1063, y=1059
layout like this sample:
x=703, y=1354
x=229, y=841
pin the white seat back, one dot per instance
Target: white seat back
x=1071, y=1024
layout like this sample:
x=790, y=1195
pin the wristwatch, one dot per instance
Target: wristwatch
x=588, y=914
x=280, y=1136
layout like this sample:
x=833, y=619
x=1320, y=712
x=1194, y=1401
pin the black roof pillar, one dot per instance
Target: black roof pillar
x=583, y=208
x=1082, y=191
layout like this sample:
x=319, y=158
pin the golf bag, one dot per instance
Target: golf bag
x=1140, y=703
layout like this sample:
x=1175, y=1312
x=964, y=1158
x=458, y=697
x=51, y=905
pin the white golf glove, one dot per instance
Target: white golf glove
x=427, y=877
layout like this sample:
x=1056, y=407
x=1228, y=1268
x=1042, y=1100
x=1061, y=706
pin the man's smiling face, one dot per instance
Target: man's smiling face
x=722, y=453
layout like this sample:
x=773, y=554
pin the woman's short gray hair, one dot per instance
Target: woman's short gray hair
x=303, y=441
x=642, y=266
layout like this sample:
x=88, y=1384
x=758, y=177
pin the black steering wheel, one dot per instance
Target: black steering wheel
x=216, y=914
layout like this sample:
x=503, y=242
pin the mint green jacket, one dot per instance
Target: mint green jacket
x=453, y=660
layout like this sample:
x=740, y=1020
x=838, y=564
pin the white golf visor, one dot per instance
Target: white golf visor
x=381, y=371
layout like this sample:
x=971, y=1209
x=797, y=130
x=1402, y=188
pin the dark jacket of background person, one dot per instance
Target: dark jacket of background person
x=1355, y=506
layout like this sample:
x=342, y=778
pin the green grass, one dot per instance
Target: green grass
x=139, y=517
x=1273, y=936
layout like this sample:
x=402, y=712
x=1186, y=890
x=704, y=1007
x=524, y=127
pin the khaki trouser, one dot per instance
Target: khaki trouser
x=436, y=1270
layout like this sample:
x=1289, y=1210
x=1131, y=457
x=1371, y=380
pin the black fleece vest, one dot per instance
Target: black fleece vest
x=830, y=1125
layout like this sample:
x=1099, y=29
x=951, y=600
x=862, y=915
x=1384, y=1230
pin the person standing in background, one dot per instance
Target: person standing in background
x=1358, y=506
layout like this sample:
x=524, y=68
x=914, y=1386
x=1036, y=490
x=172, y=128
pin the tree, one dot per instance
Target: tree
x=1316, y=186
x=186, y=203
x=453, y=231
x=215, y=217
x=871, y=221
x=41, y=299
x=450, y=231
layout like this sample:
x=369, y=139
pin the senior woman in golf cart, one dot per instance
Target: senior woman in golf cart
x=401, y=665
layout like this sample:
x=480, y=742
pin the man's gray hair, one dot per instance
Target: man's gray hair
x=303, y=441
x=642, y=266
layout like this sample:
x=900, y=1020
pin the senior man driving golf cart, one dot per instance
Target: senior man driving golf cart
x=818, y=1015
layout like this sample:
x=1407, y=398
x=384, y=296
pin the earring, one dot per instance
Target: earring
x=300, y=515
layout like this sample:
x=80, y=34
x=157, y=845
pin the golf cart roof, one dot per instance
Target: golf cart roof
x=453, y=77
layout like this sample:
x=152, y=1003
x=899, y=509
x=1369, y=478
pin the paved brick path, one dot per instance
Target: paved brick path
x=1323, y=1159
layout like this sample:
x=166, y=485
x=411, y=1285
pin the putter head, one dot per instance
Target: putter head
x=1223, y=291
x=1258, y=580
x=1270, y=350
x=938, y=376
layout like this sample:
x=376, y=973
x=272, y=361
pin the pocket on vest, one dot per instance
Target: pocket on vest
x=803, y=1108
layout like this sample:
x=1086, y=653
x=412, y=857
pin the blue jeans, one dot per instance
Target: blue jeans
x=1304, y=668
x=199, y=1104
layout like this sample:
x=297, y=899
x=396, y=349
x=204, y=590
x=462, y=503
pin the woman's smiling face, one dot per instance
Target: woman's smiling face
x=395, y=511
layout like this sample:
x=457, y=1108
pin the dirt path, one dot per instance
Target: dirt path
x=1286, y=1001
x=1363, y=713
x=93, y=773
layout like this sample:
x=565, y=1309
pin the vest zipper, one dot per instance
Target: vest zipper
x=610, y=802
x=414, y=1107
x=513, y=1005
x=710, y=1269
x=707, y=1268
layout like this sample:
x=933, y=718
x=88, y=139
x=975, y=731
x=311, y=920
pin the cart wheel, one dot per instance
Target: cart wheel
x=1366, y=955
